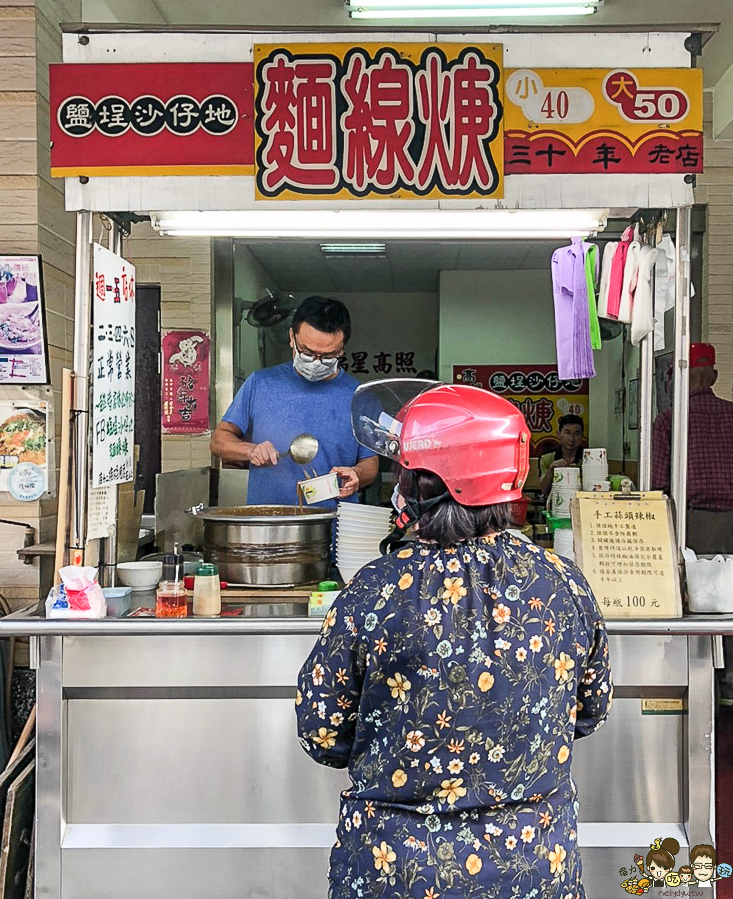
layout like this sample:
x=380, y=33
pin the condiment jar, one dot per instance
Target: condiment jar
x=207, y=592
x=171, y=600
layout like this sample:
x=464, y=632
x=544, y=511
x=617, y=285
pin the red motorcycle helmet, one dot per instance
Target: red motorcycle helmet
x=475, y=441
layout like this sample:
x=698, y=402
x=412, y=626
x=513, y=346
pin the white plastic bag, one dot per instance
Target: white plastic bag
x=79, y=595
x=709, y=582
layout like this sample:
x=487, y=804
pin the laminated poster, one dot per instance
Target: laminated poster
x=23, y=340
x=24, y=449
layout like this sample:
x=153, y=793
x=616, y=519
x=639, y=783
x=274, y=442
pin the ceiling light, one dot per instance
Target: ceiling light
x=493, y=9
x=353, y=249
x=379, y=225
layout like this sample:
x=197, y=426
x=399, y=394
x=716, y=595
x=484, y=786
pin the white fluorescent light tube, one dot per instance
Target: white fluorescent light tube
x=379, y=225
x=364, y=12
x=538, y=5
x=353, y=248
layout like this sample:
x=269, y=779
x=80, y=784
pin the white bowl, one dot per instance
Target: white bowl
x=140, y=575
x=347, y=545
x=347, y=571
x=353, y=510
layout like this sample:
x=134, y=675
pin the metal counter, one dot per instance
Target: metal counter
x=170, y=767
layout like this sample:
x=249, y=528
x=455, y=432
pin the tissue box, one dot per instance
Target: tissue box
x=709, y=582
x=316, y=490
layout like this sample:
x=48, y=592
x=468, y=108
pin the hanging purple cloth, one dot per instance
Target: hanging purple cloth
x=572, y=325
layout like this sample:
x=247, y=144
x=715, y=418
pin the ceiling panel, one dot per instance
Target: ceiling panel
x=407, y=267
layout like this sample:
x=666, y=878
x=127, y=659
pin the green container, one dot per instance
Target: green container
x=555, y=524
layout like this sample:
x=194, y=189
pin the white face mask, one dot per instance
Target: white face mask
x=315, y=369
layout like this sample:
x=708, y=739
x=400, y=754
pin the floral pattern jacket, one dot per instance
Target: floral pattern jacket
x=452, y=683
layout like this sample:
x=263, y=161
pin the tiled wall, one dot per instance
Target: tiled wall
x=715, y=188
x=33, y=220
x=182, y=268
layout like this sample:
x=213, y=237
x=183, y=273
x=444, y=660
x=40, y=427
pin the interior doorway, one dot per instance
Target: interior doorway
x=147, y=390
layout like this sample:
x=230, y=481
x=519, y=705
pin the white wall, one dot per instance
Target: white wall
x=391, y=323
x=507, y=317
x=250, y=283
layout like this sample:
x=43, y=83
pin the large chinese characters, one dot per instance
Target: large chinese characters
x=417, y=121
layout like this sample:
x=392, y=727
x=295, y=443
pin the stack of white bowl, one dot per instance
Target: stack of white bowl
x=565, y=484
x=563, y=543
x=359, y=531
x=595, y=470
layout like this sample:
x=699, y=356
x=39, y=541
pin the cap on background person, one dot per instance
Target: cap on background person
x=702, y=355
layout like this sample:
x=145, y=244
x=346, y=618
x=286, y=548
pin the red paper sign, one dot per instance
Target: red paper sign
x=186, y=382
x=152, y=119
x=536, y=391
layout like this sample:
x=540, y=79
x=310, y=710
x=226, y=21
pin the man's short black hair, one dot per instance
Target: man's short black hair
x=324, y=314
x=570, y=419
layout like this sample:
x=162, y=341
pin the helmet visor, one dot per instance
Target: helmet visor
x=376, y=408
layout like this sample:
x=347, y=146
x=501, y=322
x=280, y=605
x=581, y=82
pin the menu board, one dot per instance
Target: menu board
x=186, y=382
x=113, y=395
x=625, y=547
x=23, y=344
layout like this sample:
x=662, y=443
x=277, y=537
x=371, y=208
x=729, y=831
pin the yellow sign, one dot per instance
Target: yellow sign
x=616, y=121
x=624, y=545
x=402, y=121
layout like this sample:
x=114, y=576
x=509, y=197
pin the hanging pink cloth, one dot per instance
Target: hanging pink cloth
x=618, y=266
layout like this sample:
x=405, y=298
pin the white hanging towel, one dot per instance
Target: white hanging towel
x=664, y=288
x=631, y=272
x=608, y=254
x=642, y=314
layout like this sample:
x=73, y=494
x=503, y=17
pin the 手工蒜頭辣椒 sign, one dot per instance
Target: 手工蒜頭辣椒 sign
x=617, y=121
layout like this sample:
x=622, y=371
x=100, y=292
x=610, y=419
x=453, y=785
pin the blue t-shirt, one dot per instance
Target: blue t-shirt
x=277, y=404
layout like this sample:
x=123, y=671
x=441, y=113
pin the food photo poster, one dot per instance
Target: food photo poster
x=23, y=339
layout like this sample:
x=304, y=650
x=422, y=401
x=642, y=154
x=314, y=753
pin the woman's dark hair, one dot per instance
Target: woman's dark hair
x=570, y=419
x=449, y=522
x=664, y=856
x=324, y=314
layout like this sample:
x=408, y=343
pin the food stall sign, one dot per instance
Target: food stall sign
x=151, y=119
x=186, y=383
x=113, y=360
x=609, y=122
x=26, y=444
x=23, y=340
x=537, y=391
x=625, y=547
x=398, y=121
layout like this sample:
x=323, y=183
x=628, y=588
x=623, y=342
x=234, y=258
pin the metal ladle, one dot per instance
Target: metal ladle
x=302, y=450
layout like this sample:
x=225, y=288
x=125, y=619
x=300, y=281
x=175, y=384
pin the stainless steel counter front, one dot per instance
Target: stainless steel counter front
x=171, y=768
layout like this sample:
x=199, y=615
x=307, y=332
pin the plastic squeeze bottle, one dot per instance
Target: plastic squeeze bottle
x=207, y=592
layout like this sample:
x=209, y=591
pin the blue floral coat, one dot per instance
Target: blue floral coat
x=452, y=684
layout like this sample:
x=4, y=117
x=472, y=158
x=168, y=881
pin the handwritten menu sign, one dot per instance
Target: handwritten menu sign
x=625, y=547
x=186, y=382
x=113, y=350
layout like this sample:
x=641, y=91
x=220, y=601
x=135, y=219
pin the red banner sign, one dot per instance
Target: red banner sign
x=186, y=382
x=152, y=119
x=536, y=391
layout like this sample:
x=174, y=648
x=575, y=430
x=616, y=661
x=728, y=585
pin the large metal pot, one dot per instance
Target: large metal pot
x=268, y=545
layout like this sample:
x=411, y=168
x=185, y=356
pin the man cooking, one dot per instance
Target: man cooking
x=310, y=395
x=709, y=460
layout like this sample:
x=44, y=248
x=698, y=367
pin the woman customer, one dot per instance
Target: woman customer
x=568, y=454
x=452, y=677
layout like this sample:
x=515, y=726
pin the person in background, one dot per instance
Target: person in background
x=452, y=677
x=568, y=454
x=709, y=457
x=309, y=395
